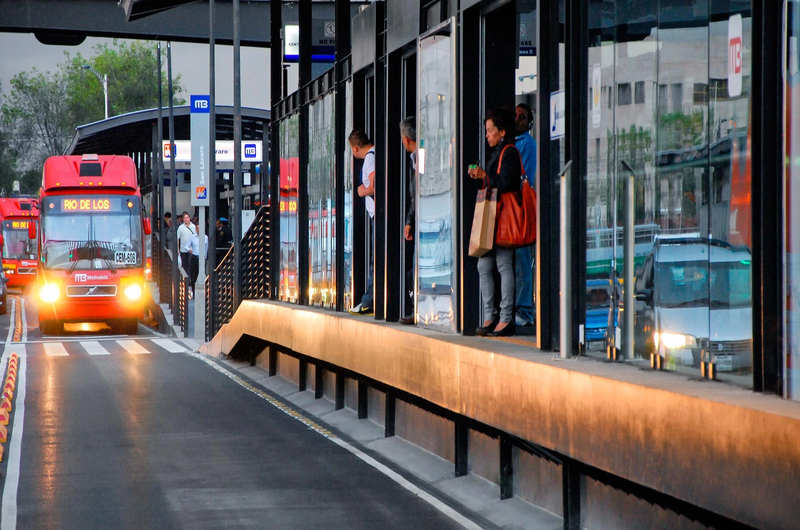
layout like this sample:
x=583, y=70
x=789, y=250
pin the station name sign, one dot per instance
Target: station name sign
x=252, y=151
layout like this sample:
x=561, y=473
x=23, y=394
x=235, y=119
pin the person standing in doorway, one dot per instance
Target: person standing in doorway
x=195, y=248
x=185, y=233
x=364, y=149
x=408, y=133
x=168, y=230
x=526, y=145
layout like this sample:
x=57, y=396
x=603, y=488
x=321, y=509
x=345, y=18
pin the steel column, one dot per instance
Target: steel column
x=380, y=233
x=767, y=196
x=173, y=182
x=276, y=76
x=237, y=161
x=547, y=255
x=211, y=296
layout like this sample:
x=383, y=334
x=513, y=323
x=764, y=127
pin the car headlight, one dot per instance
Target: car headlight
x=675, y=340
x=133, y=292
x=49, y=293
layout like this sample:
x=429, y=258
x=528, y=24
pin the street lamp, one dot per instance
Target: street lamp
x=103, y=79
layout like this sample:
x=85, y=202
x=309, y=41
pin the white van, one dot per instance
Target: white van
x=694, y=303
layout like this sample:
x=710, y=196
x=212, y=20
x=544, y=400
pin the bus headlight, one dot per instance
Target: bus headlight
x=49, y=293
x=133, y=292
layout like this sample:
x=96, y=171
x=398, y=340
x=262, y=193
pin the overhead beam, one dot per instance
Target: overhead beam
x=184, y=23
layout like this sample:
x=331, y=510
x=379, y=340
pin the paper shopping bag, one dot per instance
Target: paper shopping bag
x=481, y=239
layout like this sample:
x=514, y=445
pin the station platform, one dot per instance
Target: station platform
x=666, y=432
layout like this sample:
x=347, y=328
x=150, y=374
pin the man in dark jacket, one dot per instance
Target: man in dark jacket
x=408, y=133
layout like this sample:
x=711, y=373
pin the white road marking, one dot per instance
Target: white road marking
x=93, y=347
x=131, y=346
x=9, y=511
x=24, y=320
x=55, y=349
x=422, y=494
x=12, y=320
x=169, y=345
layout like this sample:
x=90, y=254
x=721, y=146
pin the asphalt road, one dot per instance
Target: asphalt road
x=133, y=432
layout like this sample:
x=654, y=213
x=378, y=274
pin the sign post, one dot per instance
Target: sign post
x=201, y=176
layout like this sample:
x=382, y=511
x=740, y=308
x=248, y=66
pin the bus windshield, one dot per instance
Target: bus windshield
x=91, y=232
x=16, y=244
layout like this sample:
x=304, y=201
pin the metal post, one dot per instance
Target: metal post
x=276, y=58
x=212, y=164
x=161, y=240
x=172, y=180
x=105, y=91
x=237, y=162
x=565, y=279
x=628, y=247
x=200, y=285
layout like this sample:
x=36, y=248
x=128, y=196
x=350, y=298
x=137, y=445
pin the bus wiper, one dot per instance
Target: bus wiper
x=82, y=249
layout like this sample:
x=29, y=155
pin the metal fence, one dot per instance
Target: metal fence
x=255, y=274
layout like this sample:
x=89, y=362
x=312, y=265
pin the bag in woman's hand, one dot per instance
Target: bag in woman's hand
x=481, y=239
x=516, y=215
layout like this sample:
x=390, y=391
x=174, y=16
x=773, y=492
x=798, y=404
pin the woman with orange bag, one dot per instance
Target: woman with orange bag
x=506, y=177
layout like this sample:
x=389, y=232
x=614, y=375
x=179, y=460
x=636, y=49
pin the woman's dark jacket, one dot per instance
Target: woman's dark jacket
x=510, y=177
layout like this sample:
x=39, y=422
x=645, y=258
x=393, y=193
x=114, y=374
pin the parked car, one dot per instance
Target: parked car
x=694, y=303
x=599, y=310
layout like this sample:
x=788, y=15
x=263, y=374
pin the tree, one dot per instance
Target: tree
x=42, y=110
x=132, y=81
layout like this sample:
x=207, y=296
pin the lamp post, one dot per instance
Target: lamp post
x=103, y=79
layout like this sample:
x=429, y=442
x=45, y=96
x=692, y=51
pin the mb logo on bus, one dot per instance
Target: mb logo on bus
x=249, y=150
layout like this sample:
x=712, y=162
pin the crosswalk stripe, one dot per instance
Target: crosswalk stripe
x=169, y=345
x=55, y=349
x=131, y=346
x=93, y=347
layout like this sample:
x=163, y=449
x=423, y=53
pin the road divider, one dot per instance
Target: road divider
x=8, y=397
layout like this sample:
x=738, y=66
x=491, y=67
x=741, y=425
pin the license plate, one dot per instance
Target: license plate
x=125, y=258
x=724, y=363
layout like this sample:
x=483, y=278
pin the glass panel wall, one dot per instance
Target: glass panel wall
x=436, y=182
x=669, y=99
x=791, y=256
x=321, y=203
x=348, y=199
x=289, y=176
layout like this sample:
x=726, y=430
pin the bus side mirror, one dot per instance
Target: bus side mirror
x=148, y=227
x=31, y=230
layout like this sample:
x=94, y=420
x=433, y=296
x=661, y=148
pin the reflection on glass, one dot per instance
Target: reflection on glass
x=436, y=183
x=321, y=203
x=348, y=199
x=669, y=96
x=791, y=256
x=289, y=176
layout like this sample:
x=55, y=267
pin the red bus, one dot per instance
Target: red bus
x=91, y=243
x=20, y=255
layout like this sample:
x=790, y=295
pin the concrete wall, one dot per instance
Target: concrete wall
x=716, y=446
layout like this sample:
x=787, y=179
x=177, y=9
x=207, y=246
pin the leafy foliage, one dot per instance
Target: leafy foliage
x=41, y=110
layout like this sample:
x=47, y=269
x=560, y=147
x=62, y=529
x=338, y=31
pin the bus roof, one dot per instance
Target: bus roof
x=89, y=172
x=17, y=207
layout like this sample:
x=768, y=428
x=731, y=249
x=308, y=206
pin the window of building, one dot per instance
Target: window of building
x=676, y=95
x=639, y=92
x=700, y=96
x=624, y=94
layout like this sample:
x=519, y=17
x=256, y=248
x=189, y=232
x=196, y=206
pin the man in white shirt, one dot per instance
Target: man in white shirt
x=185, y=233
x=364, y=149
x=195, y=248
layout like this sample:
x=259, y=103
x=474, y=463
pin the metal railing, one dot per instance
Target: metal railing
x=255, y=274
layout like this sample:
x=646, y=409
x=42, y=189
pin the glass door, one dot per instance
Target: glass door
x=436, y=179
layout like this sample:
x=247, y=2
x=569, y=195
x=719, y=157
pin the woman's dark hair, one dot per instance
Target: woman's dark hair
x=359, y=138
x=503, y=119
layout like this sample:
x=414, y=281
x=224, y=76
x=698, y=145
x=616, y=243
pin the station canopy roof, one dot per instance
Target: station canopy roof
x=133, y=132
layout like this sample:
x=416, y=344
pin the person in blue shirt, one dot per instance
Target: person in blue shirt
x=526, y=145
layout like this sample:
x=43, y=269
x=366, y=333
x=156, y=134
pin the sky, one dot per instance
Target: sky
x=189, y=60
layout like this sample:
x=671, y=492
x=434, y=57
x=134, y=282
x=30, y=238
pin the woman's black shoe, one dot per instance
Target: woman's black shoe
x=486, y=330
x=507, y=331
